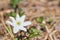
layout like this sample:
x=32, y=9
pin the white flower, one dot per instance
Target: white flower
x=18, y=23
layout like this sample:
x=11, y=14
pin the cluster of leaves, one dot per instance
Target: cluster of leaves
x=14, y=3
x=13, y=14
x=33, y=32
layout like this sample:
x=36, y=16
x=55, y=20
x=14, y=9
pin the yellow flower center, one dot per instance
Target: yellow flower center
x=18, y=23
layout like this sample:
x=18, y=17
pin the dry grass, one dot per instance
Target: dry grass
x=37, y=8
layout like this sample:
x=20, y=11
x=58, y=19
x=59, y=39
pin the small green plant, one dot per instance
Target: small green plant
x=14, y=3
x=33, y=32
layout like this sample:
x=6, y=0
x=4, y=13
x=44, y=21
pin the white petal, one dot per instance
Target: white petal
x=17, y=17
x=12, y=19
x=8, y=22
x=22, y=28
x=15, y=29
x=22, y=18
x=26, y=23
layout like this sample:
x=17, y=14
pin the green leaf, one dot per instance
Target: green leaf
x=50, y=20
x=33, y=32
x=40, y=19
x=14, y=2
x=20, y=12
x=13, y=14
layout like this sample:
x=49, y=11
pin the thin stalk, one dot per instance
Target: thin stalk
x=10, y=28
x=46, y=37
x=51, y=37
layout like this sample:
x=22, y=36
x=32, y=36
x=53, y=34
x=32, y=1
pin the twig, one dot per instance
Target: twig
x=53, y=32
x=50, y=37
x=47, y=29
x=49, y=33
x=55, y=37
x=46, y=37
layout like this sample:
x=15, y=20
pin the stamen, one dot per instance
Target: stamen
x=18, y=23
